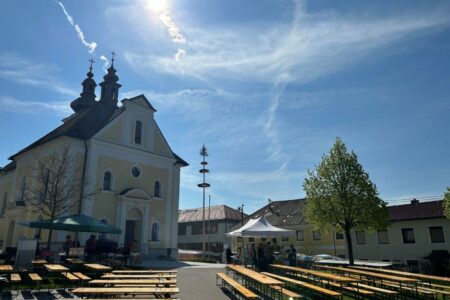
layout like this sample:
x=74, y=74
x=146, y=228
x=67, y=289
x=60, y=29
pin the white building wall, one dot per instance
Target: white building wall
x=396, y=249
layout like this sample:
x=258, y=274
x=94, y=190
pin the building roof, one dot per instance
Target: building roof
x=217, y=212
x=290, y=212
x=416, y=210
x=81, y=125
x=85, y=124
x=283, y=212
x=9, y=167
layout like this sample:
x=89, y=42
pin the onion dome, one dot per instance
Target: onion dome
x=87, y=97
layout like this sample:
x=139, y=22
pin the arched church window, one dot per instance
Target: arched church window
x=157, y=189
x=3, y=204
x=138, y=133
x=155, y=232
x=107, y=181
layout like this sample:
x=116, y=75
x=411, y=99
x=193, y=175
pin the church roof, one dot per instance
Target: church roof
x=85, y=124
x=81, y=125
x=9, y=167
x=142, y=96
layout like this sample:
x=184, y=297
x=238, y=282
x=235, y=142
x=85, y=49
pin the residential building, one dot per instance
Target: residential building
x=218, y=220
x=289, y=214
x=129, y=176
x=416, y=229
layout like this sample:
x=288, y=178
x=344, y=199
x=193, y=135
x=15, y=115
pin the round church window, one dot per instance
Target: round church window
x=135, y=171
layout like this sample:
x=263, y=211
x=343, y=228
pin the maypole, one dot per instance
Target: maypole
x=204, y=185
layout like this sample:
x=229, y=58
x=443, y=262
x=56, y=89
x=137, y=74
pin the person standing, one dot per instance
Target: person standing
x=90, y=247
x=253, y=256
x=229, y=254
x=68, y=243
x=260, y=253
x=37, y=253
x=292, y=256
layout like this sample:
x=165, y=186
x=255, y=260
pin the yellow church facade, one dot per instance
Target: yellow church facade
x=129, y=176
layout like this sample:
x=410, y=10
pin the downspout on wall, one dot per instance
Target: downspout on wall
x=83, y=176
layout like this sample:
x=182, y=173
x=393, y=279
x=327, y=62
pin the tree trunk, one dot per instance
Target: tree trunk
x=52, y=217
x=49, y=239
x=348, y=238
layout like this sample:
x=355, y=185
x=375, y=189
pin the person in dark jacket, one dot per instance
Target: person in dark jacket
x=292, y=256
x=89, y=247
x=229, y=254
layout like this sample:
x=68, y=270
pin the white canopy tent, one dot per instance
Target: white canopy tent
x=260, y=227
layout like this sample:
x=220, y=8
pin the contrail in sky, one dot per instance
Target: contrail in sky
x=91, y=46
x=105, y=65
x=161, y=8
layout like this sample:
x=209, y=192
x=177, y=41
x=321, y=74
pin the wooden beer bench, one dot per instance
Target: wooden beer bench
x=236, y=286
x=124, y=291
x=133, y=282
x=314, y=288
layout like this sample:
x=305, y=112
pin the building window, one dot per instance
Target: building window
x=251, y=239
x=21, y=200
x=157, y=189
x=155, y=232
x=274, y=240
x=107, y=181
x=383, y=237
x=300, y=235
x=360, y=237
x=197, y=228
x=316, y=235
x=3, y=204
x=408, y=236
x=212, y=228
x=135, y=171
x=437, y=234
x=138, y=133
x=285, y=239
x=181, y=229
x=339, y=236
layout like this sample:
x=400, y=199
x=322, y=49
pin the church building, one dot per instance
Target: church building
x=129, y=176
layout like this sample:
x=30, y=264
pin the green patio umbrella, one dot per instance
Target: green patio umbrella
x=75, y=223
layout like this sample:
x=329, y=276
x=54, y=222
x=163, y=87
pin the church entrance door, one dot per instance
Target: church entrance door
x=129, y=231
x=133, y=226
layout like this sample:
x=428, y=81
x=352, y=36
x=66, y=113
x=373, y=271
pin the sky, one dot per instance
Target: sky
x=267, y=86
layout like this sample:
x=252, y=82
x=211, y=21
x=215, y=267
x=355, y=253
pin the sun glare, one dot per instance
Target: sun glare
x=157, y=6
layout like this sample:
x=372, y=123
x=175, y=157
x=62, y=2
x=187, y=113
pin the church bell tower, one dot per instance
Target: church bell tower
x=110, y=87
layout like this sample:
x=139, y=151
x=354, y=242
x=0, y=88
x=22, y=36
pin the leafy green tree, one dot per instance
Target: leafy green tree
x=341, y=197
x=447, y=203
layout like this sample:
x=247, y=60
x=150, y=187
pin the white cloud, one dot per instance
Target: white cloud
x=20, y=70
x=310, y=47
x=34, y=107
x=90, y=46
